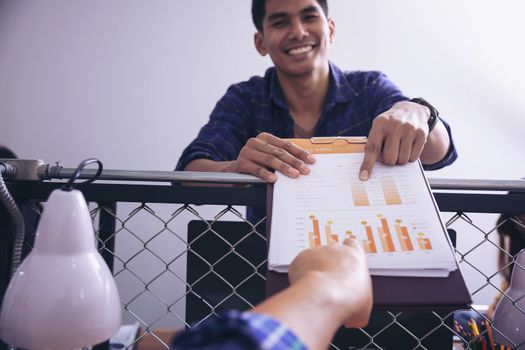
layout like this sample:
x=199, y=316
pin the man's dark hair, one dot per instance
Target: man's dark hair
x=259, y=9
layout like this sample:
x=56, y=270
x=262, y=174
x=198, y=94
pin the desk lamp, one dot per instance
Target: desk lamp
x=63, y=295
x=509, y=315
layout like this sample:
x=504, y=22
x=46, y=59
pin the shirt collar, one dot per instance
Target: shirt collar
x=276, y=94
x=338, y=88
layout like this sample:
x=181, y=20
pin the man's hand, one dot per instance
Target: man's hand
x=342, y=272
x=266, y=152
x=397, y=136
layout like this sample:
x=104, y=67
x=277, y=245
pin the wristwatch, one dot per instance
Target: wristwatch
x=434, y=114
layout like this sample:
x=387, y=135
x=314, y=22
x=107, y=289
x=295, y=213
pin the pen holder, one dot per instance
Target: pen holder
x=509, y=316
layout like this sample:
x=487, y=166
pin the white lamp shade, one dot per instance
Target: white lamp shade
x=63, y=295
x=509, y=315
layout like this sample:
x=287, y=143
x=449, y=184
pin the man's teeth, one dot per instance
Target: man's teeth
x=300, y=50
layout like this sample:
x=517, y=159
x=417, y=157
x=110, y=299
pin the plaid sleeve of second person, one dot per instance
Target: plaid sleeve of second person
x=238, y=331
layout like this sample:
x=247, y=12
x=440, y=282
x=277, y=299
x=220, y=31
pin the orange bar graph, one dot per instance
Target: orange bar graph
x=369, y=244
x=359, y=194
x=316, y=233
x=385, y=236
x=311, y=239
x=390, y=190
x=330, y=238
x=350, y=234
x=403, y=236
x=423, y=242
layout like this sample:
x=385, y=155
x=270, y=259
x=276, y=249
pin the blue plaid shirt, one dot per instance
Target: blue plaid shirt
x=353, y=100
x=237, y=331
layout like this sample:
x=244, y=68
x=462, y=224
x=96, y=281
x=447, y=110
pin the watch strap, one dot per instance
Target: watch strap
x=434, y=114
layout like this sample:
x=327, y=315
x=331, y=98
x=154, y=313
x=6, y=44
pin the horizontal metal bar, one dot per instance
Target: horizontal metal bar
x=234, y=178
x=56, y=172
x=199, y=195
x=480, y=202
x=477, y=185
x=245, y=195
x=24, y=169
x=39, y=170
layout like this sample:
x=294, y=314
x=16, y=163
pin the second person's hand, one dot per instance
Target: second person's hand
x=343, y=272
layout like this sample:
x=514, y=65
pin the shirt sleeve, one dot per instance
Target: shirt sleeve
x=235, y=331
x=451, y=155
x=381, y=93
x=226, y=132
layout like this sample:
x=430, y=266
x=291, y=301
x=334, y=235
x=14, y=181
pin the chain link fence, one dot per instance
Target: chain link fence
x=178, y=261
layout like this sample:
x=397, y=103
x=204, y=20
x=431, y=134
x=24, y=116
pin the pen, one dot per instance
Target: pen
x=483, y=344
x=471, y=333
x=475, y=329
x=489, y=334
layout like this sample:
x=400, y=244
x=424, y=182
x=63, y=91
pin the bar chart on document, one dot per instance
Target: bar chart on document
x=392, y=215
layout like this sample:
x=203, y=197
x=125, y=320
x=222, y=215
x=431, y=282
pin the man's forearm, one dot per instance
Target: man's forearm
x=210, y=165
x=437, y=145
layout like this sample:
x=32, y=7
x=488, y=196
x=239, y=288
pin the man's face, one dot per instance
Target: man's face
x=295, y=34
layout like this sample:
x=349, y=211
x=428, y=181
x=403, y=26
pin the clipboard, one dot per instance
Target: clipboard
x=333, y=145
x=397, y=293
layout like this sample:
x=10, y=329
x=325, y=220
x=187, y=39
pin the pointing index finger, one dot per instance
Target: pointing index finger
x=372, y=150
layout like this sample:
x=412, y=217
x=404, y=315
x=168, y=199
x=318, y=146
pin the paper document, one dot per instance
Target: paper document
x=393, y=215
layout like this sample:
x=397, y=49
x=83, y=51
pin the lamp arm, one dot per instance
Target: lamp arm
x=16, y=215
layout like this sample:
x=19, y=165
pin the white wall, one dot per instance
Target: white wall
x=131, y=82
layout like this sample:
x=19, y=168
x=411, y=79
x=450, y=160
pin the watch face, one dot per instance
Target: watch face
x=432, y=121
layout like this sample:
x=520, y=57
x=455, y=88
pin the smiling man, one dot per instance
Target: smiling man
x=306, y=95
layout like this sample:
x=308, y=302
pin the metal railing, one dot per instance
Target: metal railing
x=182, y=253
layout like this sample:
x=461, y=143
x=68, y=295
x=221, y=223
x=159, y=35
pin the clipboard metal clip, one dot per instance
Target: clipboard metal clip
x=338, y=139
